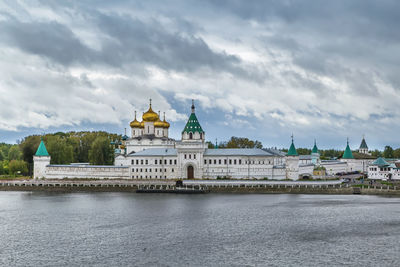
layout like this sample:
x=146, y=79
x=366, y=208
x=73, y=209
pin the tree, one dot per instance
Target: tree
x=376, y=153
x=396, y=153
x=241, y=142
x=18, y=167
x=101, y=152
x=388, y=152
x=303, y=151
x=60, y=151
x=14, y=153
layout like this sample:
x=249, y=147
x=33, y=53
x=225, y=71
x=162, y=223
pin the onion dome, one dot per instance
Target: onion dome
x=166, y=124
x=158, y=122
x=142, y=124
x=135, y=123
x=150, y=115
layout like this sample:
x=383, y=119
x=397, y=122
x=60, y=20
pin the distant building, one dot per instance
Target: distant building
x=363, y=147
x=381, y=169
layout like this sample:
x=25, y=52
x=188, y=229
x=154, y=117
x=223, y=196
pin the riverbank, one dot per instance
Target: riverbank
x=236, y=187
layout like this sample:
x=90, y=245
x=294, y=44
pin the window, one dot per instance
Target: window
x=149, y=170
x=165, y=161
x=230, y=162
x=160, y=170
x=194, y=156
x=141, y=170
x=190, y=156
x=225, y=162
x=133, y=161
x=137, y=162
x=185, y=156
x=145, y=170
x=201, y=135
x=155, y=161
x=147, y=162
x=133, y=169
x=234, y=161
x=172, y=170
x=175, y=162
x=219, y=162
x=215, y=161
x=210, y=162
x=141, y=162
x=205, y=162
x=190, y=136
x=170, y=162
x=155, y=169
x=165, y=170
x=240, y=161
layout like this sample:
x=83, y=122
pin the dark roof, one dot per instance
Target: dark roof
x=236, y=152
x=193, y=125
x=363, y=144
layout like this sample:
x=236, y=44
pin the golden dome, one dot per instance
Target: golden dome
x=158, y=122
x=150, y=115
x=165, y=123
x=142, y=124
x=135, y=123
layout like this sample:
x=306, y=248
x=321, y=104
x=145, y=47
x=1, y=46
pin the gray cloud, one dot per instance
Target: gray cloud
x=296, y=66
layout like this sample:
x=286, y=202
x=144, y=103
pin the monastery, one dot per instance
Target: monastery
x=149, y=153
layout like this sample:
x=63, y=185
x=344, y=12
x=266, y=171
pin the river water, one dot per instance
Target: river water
x=127, y=229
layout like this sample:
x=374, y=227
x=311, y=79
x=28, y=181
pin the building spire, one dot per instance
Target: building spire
x=135, y=114
x=164, y=115
x=216, y=143
x=193, y=108
x=150, y=102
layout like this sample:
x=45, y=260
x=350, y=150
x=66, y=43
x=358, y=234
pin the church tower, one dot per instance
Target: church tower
x=315, y=156
x=40, y=160
x=191, y=148
x=363, y=147
x=292, y=163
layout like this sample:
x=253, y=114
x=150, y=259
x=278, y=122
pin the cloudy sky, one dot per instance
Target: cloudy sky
x=260, y=69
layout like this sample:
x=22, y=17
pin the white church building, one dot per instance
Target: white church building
x=149, y=153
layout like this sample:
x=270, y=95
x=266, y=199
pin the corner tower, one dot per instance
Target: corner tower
x=315, y=155
x=292, y=163
x=40, y=160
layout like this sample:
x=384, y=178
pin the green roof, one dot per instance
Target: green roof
x=315, y=148
x=193, y=125
x=363, y=144
x=42, y=151
x=292, y=150
x=347, y=153
x=380, y=162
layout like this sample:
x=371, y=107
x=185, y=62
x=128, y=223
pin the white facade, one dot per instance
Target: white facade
x=150, y=154
x=40, y=164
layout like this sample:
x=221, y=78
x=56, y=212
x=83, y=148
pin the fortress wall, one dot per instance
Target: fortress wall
x=87, y=172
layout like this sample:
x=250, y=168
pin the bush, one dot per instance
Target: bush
x=19, y=167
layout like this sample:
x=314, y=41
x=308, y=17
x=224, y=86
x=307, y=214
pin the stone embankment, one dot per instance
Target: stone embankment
x=240, y=187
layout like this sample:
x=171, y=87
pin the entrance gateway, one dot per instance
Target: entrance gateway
x=190, y=172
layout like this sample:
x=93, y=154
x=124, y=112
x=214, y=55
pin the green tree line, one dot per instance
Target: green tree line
x=64, y=148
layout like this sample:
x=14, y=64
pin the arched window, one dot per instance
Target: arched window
x=190, y=135
x=148, y=129
x=201, y=135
